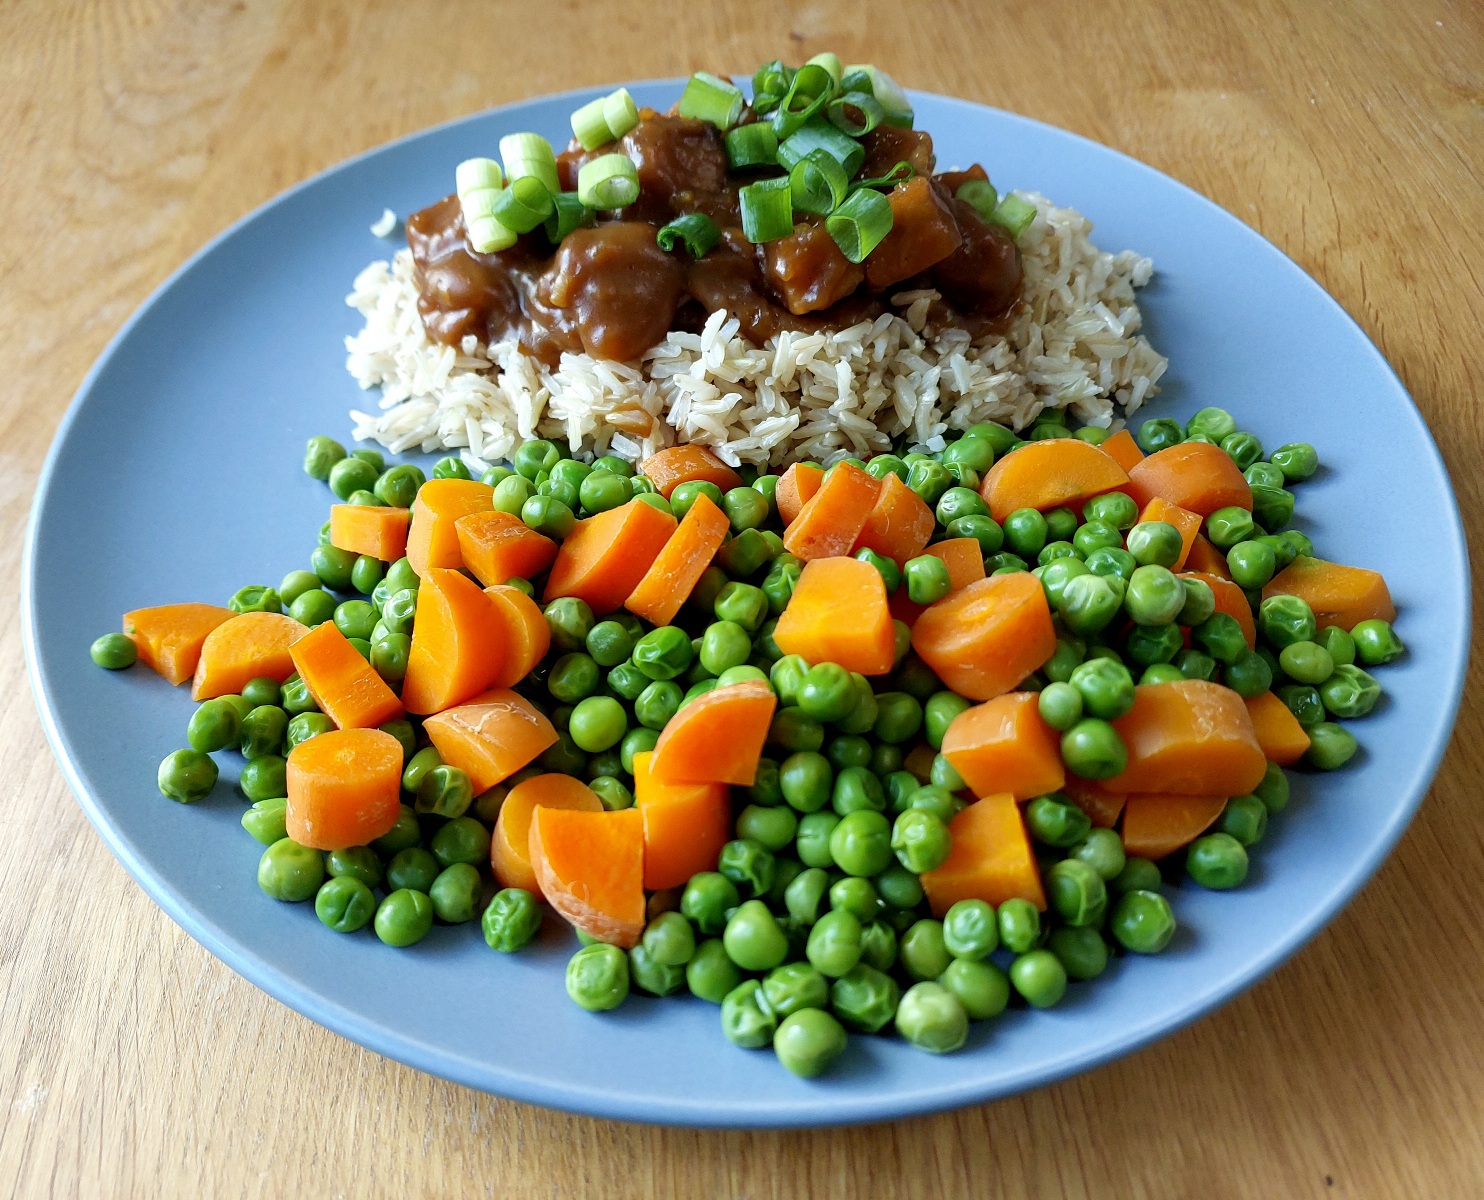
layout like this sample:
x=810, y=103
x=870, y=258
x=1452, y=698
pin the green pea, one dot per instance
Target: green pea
x=1081, y=951
x=313, y=607
x=548, y=515
x=628, y=681
x=959, y=502
x=614, y=795
x=649, y=975
x=848, y=751
x=685, y=495
x=1150, y=645
x=1089, y=603
x=858, y=897
x=1096, y=535
x=1284, y=620
x=1138, y=874
x=1264, y=474
x=920, y=840
x=1093, y=749
x=748, y=864
x=511, y=494
x=669, y=940
x=808, y=1041
x=861, y=843
x=636, y=741
x=804, y=894
x=707, y=898
x=1025, y=532
x=1244, y=449
x=563, y=757
x=511, y=920
x=1349, y=692
x=1252, y=563
x=1339, y=645
x=444, y=791
x=263, y=778
x=1057, y=574
x=945, y=775
x=743, y=604
x=1039, y=977
x=1376, y=643
x=1142, y=921
x=533, y=457
x=899, y=718
x=1195, y=664
x=1221, y=636
x=856, y=788
x=1064, y=660
x=403, y=834
x=320, y=455
x=418, y=767
x=1306, y=662
x=573, y=677
x=663, y=653
x=599, y=722
x=939, y=713
x=812, y=839
x=772, y=828
x=710, y=974
x=745, y=507
x=598, y=977
x=746, y=1020
x=865, y=998
x=863, y=713
x=289, y=871
x=1297, y=460
x=1227, y=526
x=461, y=840
x=1110, y=561
x=794, y=987
x=1331, y=746
x=1303, y=702
x=114, y=651
x=356, y=862
x=255, y=599
x=1076, y=892
x=998, y=436
x=413, y=868
x=266, y=820
x=603, y=490
x=793, y=731
x=1054, y=821
x=215, y=725
x=1091, y=434
x=932, y=1018
x=883, y=465
x=752, y=938
x=929, y=480
x=306, y=726
x=834, y=944
x=1162, y=673
x=1244, y=818
x=975, y=453
x=971, y=930
x=344, y=904
x=1273, y=790
x=1106, y=688
x=1059, y=548
x=1061, y=524
x=398, y=486
x=1020, y=925
x=1155, y=596
x=1217, y=861
x=746, y=553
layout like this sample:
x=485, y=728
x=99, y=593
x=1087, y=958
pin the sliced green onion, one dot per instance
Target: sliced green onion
x=981, y=194
x=529, y=155
x=487, y=235
x=831, y=63
x=605, y=119
x=841, y=113
x=608, y=181
x=821, y=135
x=767, y=211
x=860, y=223
x=523, y=205
x=568, y=213
x=697, y=231
x=475, y=173
x=480, y=184
x=769, y=86
x=712, y=99
x=888, y=93
x=1014, y=214
x=818, y=183
x=857, y=79
x=900, y=173
x=811, y=88
x=754, y=145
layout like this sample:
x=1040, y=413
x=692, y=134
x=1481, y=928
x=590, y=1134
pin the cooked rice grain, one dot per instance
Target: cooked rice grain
x=1074, y=343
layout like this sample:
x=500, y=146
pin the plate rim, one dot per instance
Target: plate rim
x=584, y=1099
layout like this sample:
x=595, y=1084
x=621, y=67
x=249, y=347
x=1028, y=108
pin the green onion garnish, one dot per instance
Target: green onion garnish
x=831, y=63
x=860, y=223
x=856, y=79
x=981, y=194
x=478, y=173
x=754, y=145
x=605, y=119
x=888, y=93
x=821, y=135
x=529, y=155
x=608, y=181
x=842, y=112
x=712, y=99
x=769, y=86
x=697, y=231
x=523, y=205
x=900, y=173
x=767, y=212
x=1014, y=214
x=479, y=183
x=818, y=183
x=568, y=213
x=811, y=89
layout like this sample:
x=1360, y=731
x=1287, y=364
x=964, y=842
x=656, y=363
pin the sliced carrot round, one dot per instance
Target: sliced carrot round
x=685, y=825
x=458, y=647
x=527, y=635
x=249, y=646
x=590, y=868
x=510, y=853
x=1190, y=738
x=1197, y=476
x=170, y=636
x=667, y=469
x=491, y=737
x=344, y=788
x=1048, y=473
x=718, y=737
x=985, y=638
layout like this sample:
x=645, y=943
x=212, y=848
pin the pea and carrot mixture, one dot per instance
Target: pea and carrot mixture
x=880, y=746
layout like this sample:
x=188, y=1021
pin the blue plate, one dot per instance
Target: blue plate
x=176, y=476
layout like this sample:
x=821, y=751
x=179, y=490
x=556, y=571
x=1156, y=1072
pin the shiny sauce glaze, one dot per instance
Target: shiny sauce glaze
x=610, y=291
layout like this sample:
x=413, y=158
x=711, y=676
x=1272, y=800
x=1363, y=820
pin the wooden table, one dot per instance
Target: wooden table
x=133, y=1063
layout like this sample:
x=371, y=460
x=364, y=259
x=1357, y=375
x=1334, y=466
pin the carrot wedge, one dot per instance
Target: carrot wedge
x=796, y=488
x=491, y=737
x=1003, y=745
x=1278, y=732
x=458, y=648
x=1049, y=473
x=1190, y=738
x=838, y=613
x=510, y=845
x=1231, y=600
x=170, y=636
x=603, y=559
x=986, y=638
x=1339, y=595
x=991, y=858
x=432, y=538
x=370, y=529
x=1156, y=825
x=527, y=636
x=344, y=685
x=344, y=788
x=667, y=469
x=496, y=546
x=685, y=825
x=716, y=738
x=898, y=525
x=1123, y=450
x=590, y=868
x=965, y=562
x=1197, y=476
x=1102, y=807
x=834, y=516
x=247, y=647
x=678, y=567
x=1205, y=558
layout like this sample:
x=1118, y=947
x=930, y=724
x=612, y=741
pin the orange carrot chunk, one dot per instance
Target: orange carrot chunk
x=370, y=529
x=590, y=867
x=716, y=738
x=923, y=232
x=1157, y=825
x=899, y=525
x=496, y=547
x=1101, y=807
x=433, y=539
x=1231, y=600
x=1205, y=558
x=1003, y=745
x=680, y=563
x=491, y=737
x=458, y=648
x=510, y=845
x=603, y=559
x=170, y=636
x=1188, y=738
x=838, y=614
x=991, y=858
x=344, y=685
x=344, y=788
x=1339, y=595
x=986, y=638
x=247, y=647
x=1277, y=730
x=1197, y=476
x=1049, y=473
x=965, y=562
x=526, y=634
x=796, y=488
x=1187, y=522
x=1123, y=450
x=685, y=825
x=834, y=516
x=669, y=468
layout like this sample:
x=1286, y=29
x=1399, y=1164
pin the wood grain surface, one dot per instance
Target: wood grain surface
x=134, y=1064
